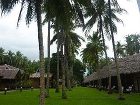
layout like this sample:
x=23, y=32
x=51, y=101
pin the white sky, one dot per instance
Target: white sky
x=24, y=38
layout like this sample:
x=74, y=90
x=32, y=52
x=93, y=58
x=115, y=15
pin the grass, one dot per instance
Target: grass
x=78, y=96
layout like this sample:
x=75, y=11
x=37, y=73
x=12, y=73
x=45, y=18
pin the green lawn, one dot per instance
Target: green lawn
x=78, y=96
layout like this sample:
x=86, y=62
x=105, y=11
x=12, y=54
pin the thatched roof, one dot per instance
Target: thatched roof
x=8, y=72
x=127, y=65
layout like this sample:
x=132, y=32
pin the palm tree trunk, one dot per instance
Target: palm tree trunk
x=66, y=63
x=107, y=62
x=115, y=56
x=99, y=80
x=98, y=71
x=71, y=75
x=57, y=77
x=41, y=53
x=64, y=95
x=106, y=56
x=71, y=67
x=48, y=66
x=68, y=76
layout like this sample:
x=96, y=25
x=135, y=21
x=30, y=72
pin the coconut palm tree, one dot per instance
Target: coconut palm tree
x=48, y=65
x=61, y=38
x=33, y=10
x=63, y=65
x=99, y=13
x=115, y=55
x=46, y=9
x=72, y=43
x=57, y=80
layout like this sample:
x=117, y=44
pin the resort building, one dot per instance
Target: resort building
x=35, y=79
x=9, y=76
x=129, y=68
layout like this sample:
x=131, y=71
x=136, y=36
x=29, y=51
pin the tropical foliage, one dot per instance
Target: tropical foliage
x=18, y=60
x=120, y=50
x=132, y=44
x=78, y=69
x=93, y=51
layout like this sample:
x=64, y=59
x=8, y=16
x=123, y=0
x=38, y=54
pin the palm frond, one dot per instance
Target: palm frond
x=7, y=5
x=55, y=37
x=31, y=11
x=19, y=17
x=79, y=12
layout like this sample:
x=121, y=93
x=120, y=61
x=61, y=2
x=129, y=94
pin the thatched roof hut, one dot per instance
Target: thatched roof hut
x=127, y=65
x=8, y=72
x=9, y=76
x=35, y=79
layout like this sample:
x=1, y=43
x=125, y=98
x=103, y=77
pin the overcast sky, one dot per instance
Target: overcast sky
x=24, y=38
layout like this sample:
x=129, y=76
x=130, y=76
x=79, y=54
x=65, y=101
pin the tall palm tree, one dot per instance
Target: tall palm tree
x=66, y=51
x=115, y=55
x=46, y=10
x=57, y=37
x=72, y=43
x=63, y=66
x=33, y=10
x=58, y=63
x=41, y=52
x=48, y=65
x=99, y=13
x=61, y=38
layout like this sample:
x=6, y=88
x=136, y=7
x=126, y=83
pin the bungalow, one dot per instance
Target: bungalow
x=9, y=76
x=129, y=68
x=35, y=79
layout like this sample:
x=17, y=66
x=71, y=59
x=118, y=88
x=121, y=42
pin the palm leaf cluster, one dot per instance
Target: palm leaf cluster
x=30, y=5
x=17, y=60
x=93, y=51
x=131, y=46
